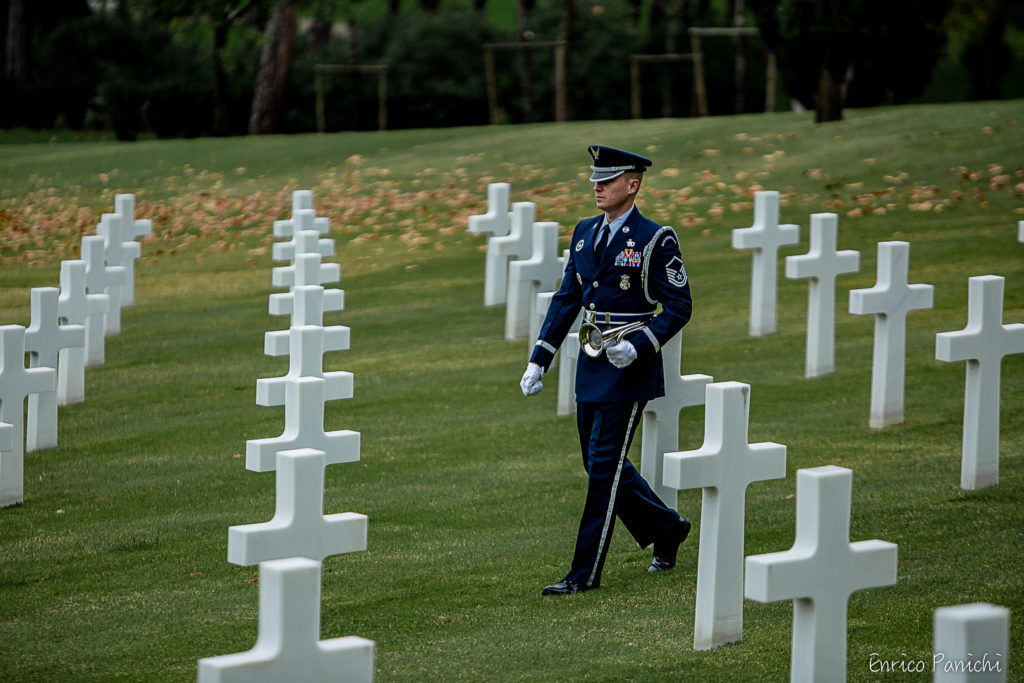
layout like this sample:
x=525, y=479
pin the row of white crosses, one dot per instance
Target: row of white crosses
x=66, y=334
x=291, y=547
x=819, y=572
x=983, y=343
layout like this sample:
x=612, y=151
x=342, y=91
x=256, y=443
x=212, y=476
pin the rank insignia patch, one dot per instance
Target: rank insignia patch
x=630, y=258
x=676, y=272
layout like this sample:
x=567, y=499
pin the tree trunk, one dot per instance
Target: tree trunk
x=563, y=111
x=523, y=9
x=740, y=72
x=276, y=59
x=829, y=100
x=16, y=68
x=220, y=78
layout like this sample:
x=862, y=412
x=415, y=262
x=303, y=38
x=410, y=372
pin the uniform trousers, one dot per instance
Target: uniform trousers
x=614, y=488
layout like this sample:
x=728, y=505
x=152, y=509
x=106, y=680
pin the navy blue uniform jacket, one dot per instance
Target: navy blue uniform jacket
x=642, y=267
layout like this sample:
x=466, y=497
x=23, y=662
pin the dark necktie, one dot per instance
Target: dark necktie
x=601, y=243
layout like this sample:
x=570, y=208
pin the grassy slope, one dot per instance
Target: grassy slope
x=114, y=568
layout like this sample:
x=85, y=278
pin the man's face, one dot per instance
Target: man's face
x=612, y=196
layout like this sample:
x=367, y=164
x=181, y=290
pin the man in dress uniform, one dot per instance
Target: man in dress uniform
x=621, y=267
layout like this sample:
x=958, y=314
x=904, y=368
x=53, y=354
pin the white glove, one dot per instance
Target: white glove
x=530, y=383
x=622, y=354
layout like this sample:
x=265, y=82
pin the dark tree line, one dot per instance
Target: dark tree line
x=197, y=67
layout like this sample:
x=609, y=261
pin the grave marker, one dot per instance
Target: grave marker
x=305, y=239
x=299, y=527
x=570, y=353
x=526, y=278
x=497, y=222
x=1020, y=231
x=16, y=383
x=515, y=245
x=304, y=428
x=124, y=204
x=821, y=265
x=119, y=250
x=660, y=431
x=45, y=338
x=306, y=305
x=724, y=466
x=288, y=647
x=764, y=237
x=99, y=279
x=820, y=572
x=889, y=301
x=305, y=359
x=971, y=643
x=301, y=200
x=307, y=270
x=983, y=343
x=542, y=301
x=75, y=307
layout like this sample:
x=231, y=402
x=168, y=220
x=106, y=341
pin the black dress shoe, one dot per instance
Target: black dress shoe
x=666, y=549
x=563, y=587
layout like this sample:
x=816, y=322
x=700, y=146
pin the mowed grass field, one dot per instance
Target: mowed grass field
x=115, y=567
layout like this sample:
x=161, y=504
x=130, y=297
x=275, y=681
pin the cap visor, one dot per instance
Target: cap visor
x=601, y=176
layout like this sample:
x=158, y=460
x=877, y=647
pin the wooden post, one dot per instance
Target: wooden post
x=634, y=82
x=561, y=88
x=698, y=75
x=492, y=88
x=321, y=119
x=771, y=80
x=634, y=76
x=382, y=90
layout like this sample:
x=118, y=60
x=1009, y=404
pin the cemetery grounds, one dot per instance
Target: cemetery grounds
x=115, y=567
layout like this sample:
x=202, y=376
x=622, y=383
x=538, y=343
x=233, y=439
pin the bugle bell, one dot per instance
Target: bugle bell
x=593, y=340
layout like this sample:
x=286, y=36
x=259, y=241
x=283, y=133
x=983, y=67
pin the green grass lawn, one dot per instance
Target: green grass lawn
x=115, y=567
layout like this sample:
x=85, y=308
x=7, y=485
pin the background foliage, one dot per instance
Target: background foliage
x=187, y=67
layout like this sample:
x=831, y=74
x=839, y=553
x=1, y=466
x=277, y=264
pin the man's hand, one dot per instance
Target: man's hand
x=530, y=383
x=622, y=354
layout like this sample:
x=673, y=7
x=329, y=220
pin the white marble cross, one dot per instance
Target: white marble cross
x=45, y=338
x=75, y=307
x=518, y=244
x=540, y=272
x=660, y=431
x=302, y=200
x=724, y=466
x=570, y=352
x=16, y=383
x=764, y=237
x=821, y=265
x=303, y=428
x=498, y=220
x=288, y=647
x=306, y=305
x=307, y=270
x=305, y=359
x=99, y=279
x=820, y=572
x=971, y=644
x=299, y=527
x=542, y=301
x=124, y=204
x=889, y=301
x=305, y=239
x=983, y=343
x=119, y=249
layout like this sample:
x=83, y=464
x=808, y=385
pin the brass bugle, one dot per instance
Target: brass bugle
x=593, y=341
